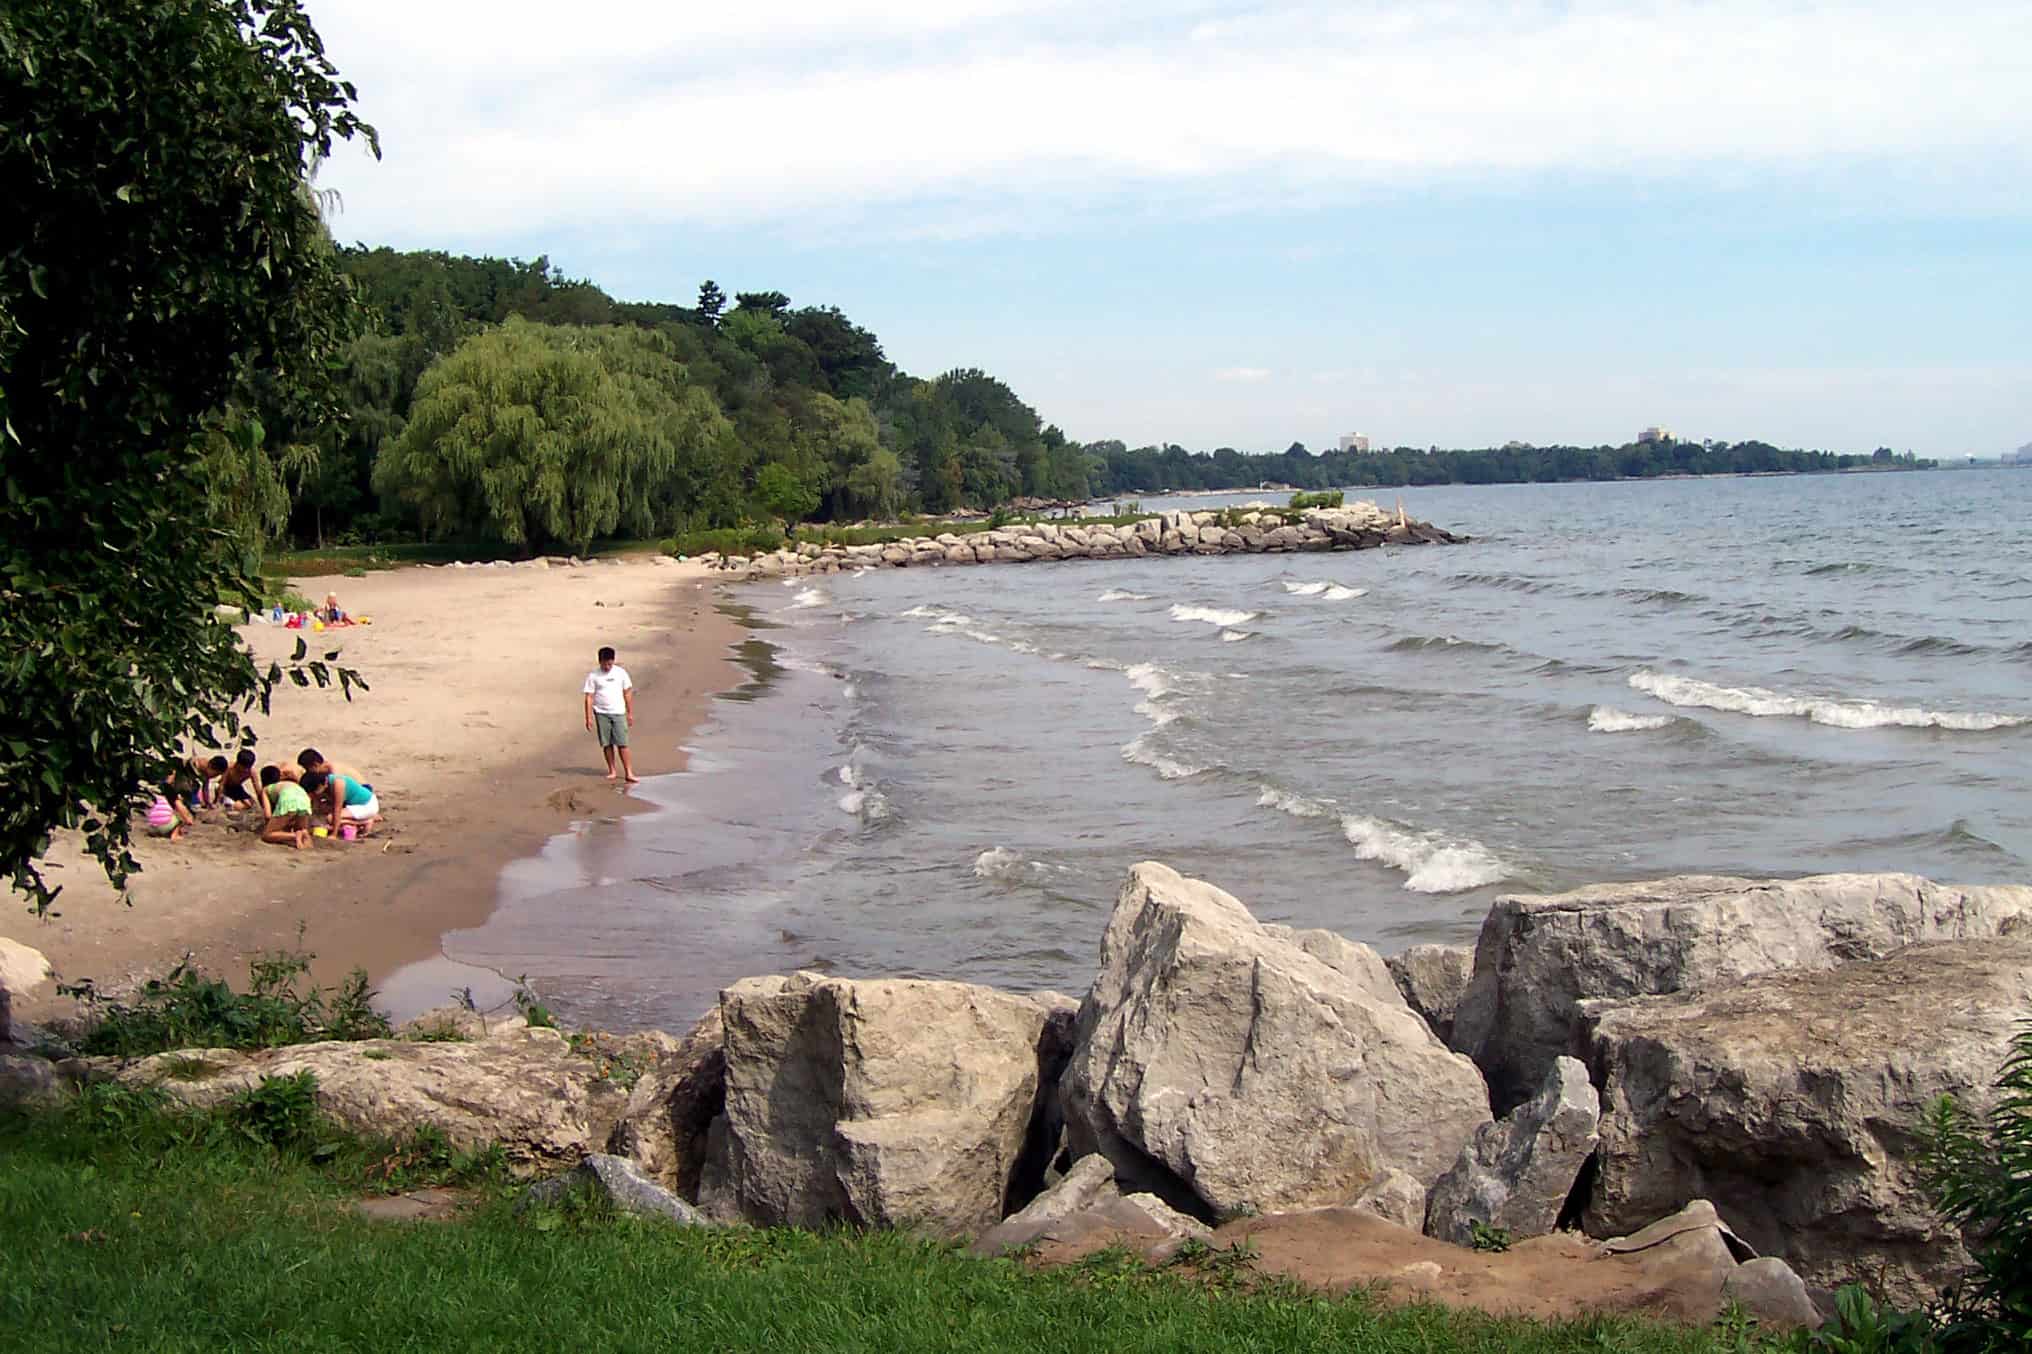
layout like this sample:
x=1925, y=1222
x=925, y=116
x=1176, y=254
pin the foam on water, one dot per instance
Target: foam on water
x=1834, y=712
x=1608, y=719
x=1306, y=589
x=1139, y=751
x=1124, y=595
x=811, y=597
x=1212, y=615
x=998, y=862
x=1326, y=590
x=1236, y=636
x=1430, y=862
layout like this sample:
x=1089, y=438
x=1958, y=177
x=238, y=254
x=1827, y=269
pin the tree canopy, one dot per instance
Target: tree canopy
x=160, y=258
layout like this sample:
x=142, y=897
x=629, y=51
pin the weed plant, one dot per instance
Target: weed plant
x=192, y=1009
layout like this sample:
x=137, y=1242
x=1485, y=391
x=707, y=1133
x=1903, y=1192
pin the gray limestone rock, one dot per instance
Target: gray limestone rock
x=1539, y=957
x=1432, y=979
x=622, y=1183
x=1797, y=1102
x=1250, y=1070
x=1518, y=1171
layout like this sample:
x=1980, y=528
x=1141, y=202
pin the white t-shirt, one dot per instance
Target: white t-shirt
x=606, y=687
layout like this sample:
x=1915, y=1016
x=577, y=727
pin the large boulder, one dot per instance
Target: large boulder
x=671, y=1108
x=1797, y=1103
x=1539, y=957
x=1517, y=1173
x=22, y=971
x=881, y=1103
x=1432, y=979
x=1253, y=1067
x=527, y=1089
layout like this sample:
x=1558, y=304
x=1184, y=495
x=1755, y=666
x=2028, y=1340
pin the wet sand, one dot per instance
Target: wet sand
x=472, y=735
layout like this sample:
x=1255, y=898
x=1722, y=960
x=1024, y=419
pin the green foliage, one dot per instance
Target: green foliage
x=160, y=259
x=1979, y=1172
x=534, y=1011
x=1483, y=1237
x=749, y=540
x=1861, y=1325
x=1302, y=502
x=280, y=1112
x=779, y=492
x=189, y=1009
x=535, y=435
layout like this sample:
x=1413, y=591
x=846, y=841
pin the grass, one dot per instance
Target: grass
x=123, y=1233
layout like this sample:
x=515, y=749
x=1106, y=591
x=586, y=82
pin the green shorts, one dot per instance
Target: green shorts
x=613, y=730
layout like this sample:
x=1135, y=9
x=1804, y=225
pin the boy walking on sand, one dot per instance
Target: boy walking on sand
x=610, y=711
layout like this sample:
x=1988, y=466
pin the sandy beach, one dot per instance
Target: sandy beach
x=473, y=736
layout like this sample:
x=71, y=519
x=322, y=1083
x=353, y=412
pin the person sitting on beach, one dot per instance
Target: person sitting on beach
x=331, y=613
x=289, y=810
x=238, y=785
x=189, y=786
x=167, y=818
x=345, y=798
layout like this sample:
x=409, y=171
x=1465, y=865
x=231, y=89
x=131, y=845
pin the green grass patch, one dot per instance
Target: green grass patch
x=128, y=1227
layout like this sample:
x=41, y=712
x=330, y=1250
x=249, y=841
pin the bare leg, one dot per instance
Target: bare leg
x=610, y=761
x=278, y=834
x=628, y=765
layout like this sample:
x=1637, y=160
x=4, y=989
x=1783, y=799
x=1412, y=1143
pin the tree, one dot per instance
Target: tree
x=157, y=243
x=711, y=301
x=534, y=435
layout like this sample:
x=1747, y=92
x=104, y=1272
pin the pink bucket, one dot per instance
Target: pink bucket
x=347, y=832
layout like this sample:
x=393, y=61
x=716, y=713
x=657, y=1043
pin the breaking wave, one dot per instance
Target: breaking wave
x=1429, y=861
x=1212, y=615
x=1124, y=595
x=1832, y=711
x=810, y=597
x=1608, y=719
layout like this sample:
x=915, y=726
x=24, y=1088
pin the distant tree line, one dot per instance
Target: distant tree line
x=500, y=400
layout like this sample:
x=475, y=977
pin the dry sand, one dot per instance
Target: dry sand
x=473, y=735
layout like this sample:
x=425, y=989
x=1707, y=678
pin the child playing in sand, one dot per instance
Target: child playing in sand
x=331, y=613
x=289, y=810
x=239, y=787
x=347, y=799
x=167, y=819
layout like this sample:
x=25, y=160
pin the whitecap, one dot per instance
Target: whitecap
x=921, y=612
x=1212, y=615
x=1297, y=805
x=1124, y=595
x=1608, y=719
x=1139, y=751
x=1306, y=589
x=997, y=862
x=867, y=804
x=1833, y=712
x=1431, y=863
x=811, y=597
x=1341, y=593
x=1236, y=636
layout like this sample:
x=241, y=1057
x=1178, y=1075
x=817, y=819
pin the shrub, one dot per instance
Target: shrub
x=745, y=540
x=1979, y=1171
x=280, y=1112
x=1861, y=1325
x=190, y=1009
x=1330, y=498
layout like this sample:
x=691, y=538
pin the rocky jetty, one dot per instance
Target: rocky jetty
x=1358, y=526
x=1722, y=1083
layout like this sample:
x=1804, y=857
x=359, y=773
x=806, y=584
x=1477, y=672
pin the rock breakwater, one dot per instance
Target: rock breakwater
x=1357, y=526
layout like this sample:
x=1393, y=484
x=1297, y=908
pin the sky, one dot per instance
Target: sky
x=1439, y=224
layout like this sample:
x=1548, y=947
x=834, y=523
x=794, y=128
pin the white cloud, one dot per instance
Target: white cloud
x=1243, y=375
x=863, y=118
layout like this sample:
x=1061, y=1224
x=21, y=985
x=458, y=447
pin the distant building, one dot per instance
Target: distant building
x=1354, y=441
x=1655, y=433
x=2022, y=456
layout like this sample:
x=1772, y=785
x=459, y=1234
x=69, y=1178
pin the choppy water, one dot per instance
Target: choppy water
x=946, y=772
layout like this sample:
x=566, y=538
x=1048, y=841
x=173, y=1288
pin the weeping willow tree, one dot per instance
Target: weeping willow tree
x=537, y=435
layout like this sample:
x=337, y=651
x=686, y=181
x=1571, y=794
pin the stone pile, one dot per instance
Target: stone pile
x=1751, y=1059
x=1358, y=526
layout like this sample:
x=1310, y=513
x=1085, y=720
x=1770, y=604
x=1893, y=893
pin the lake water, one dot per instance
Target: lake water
x=946, y=772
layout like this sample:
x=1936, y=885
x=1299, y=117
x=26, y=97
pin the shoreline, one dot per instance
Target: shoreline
x=471, y=736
